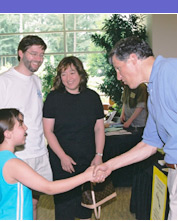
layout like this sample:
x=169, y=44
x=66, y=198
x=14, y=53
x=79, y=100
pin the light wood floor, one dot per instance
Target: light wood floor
x=115, y=209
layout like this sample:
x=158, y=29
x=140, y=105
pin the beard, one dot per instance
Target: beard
x=28, y=64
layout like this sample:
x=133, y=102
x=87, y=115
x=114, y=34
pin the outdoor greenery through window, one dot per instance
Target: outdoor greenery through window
x=64, y=34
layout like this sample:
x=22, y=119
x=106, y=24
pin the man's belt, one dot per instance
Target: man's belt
x=172, y=166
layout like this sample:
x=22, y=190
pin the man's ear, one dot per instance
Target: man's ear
x=7, y=134
x=133, y=58
x=20, y=53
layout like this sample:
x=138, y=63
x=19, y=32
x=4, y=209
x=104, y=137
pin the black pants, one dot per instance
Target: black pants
x=68, y=206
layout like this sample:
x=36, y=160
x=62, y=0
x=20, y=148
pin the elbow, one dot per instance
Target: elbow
x=49, y=191
x=151, y=150
x=48, y=188
x=145, y=150
x=47, y=134
x=154, y=150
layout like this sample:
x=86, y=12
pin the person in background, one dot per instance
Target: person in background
x=135, y=63
x=73, y=121
x=20, y=88
x=17, y=178
x=134, y=108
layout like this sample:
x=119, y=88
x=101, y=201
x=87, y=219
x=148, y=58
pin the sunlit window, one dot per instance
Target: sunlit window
x=64, y=34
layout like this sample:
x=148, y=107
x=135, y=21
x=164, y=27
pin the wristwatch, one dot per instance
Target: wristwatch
x=99, y=154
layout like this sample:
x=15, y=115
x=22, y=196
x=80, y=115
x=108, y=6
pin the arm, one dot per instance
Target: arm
x=66, y=161
x=122, y=117
x=138, y=153
x=99, y=141
x=15, y=170
x=137, y=100
x=136, y=113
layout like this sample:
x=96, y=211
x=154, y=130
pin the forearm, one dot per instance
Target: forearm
x=100, y=137
x=39, y=183
x=122, y=116
x=48, y=125
x=23, y=173
x=54, y=144
x=136, y=113
x=64, y=185
x=138, y=153
x=123, y=109
x=99, y=142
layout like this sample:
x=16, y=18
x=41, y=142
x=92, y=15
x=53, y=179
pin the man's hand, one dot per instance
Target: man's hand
x=97, y=179
x=101, y=171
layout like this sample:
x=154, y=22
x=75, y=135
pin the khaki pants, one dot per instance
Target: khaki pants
x=172, y=187
x=41, y=165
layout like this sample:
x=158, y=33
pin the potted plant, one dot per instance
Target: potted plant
x=116, y=27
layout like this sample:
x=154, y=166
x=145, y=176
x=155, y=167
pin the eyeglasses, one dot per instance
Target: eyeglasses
x=35, y=54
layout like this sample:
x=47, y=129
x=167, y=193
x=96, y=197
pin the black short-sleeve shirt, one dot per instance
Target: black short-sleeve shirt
x=75, y=117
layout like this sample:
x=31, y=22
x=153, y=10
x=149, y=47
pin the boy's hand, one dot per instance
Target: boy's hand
x=101, y=171
x=95, y=179
x=100, y=177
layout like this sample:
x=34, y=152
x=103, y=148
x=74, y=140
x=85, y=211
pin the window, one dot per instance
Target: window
x=64, y=34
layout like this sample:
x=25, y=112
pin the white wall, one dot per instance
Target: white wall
x=162, y=34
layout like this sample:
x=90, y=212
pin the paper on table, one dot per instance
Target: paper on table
x=110, y=129
x=117, y=132
x=117, y=125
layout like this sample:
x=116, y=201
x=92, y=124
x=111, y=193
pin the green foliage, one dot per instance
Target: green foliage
x=116, y=27
x=47, y=79
x=117, y=108
x=9, y=23
x=95, y=63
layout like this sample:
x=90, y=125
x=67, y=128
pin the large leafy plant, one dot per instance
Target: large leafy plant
x=47, y=79
x=116, y=27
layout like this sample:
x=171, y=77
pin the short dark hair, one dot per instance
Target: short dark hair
x=28, y=41
x=7, y=120
x=63, y=65
x=126, y=46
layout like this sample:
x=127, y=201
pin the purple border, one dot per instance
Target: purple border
x=91, y=6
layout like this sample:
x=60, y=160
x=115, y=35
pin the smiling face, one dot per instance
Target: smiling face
x=127, y=71
x=71, y=79
x=18, y=133
x=32, y=58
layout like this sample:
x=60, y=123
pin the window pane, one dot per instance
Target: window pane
x=84, y=21
x=10, y=23
x=7, y=62
x=9, y=44
x=80, y=41
x=54, y=41
x=42, y=22
x=82, y=57
x=53, y=59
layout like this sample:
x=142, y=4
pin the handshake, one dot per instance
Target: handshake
x=98, y=173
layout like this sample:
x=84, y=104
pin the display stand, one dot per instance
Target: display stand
x=159, y=195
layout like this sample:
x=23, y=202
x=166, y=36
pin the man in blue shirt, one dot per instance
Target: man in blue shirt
x=134, y=63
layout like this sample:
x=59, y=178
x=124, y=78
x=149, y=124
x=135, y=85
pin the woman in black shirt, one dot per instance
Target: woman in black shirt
x=74, y=128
